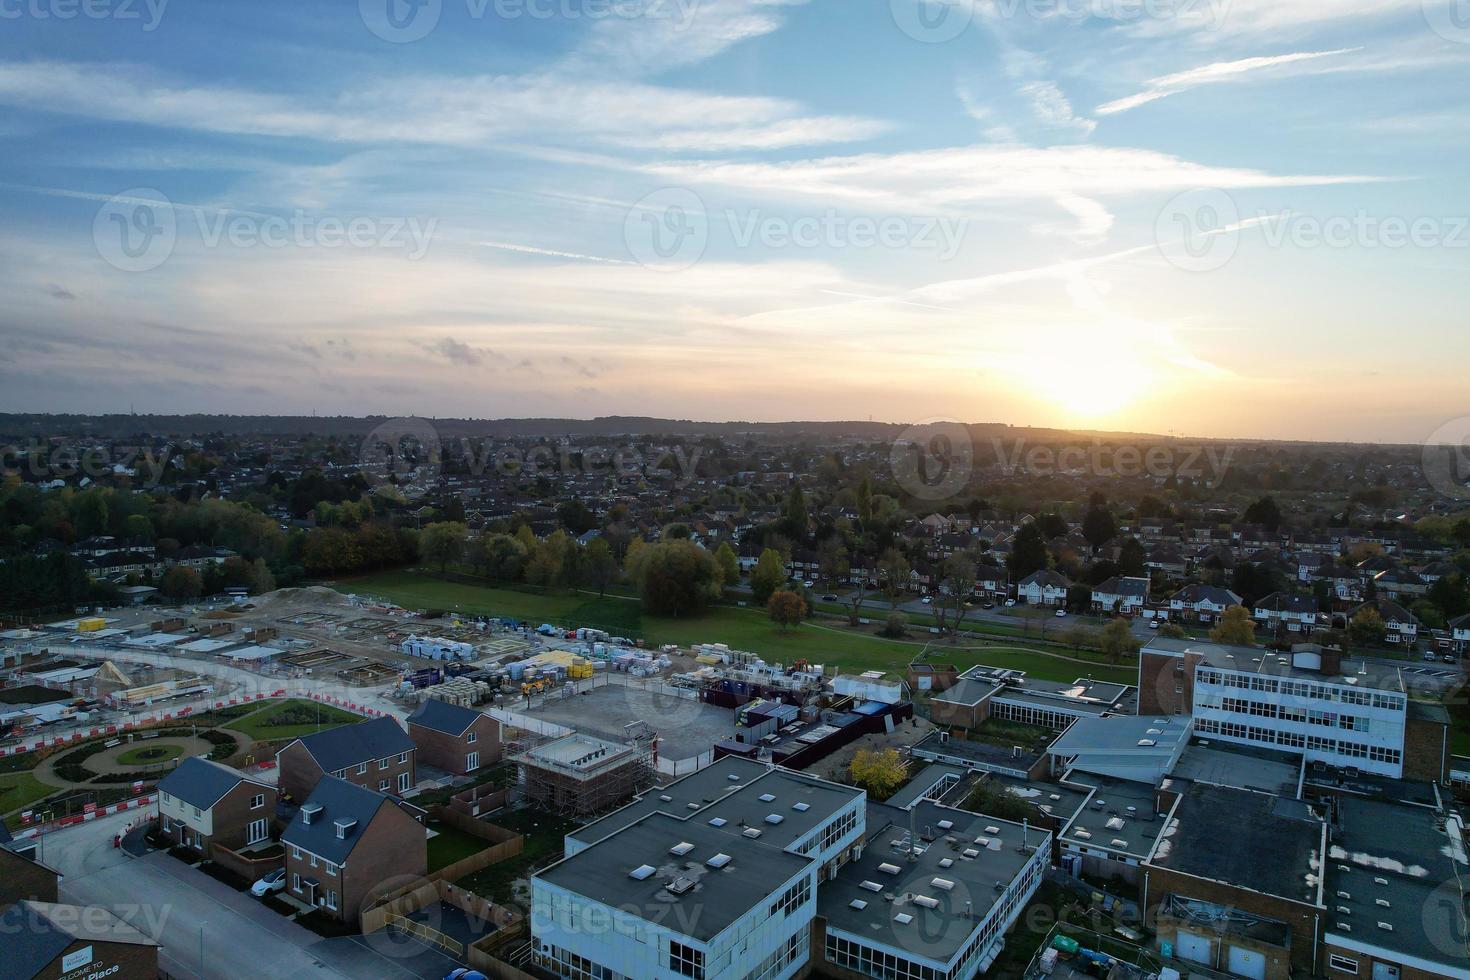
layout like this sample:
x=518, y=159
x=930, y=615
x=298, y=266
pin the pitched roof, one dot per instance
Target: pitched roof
x=441, y=716
x=339, y=801
x=35, y=934
x=341, y=748
x=199, y=782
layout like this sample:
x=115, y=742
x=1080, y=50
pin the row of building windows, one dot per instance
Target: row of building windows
x=565, y=963
x=1303, y=716
x=1027, y=714
x=796, y=896
x=791, y=951
x=866, y=960
x=1295, y=740
x=832, y=833
x=1299, y=689
x=685, y=960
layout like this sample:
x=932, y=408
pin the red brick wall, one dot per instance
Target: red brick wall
x=448, y=752
x=1304, y=920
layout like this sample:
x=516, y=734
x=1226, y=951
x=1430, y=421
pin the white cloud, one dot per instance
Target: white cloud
x=1213, y=74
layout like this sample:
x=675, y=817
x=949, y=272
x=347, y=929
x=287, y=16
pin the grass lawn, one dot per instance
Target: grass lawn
x=290, y=719
x=449, y=844
x=544, y=844
x=741, y=628
x=150, y=755
x=18, y=790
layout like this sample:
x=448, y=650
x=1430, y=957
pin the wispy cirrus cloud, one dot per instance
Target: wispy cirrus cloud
x=1219, y=72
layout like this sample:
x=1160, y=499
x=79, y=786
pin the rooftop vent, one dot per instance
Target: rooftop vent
x=943, y=884
x=992, y=831
x=718, y=861
x=1383, y=902
x=889, y=869
x=1344, y=910
x=903, y=918
x=970, y=852
x=1117, y=842
x=1380, y=881
x=871, y=886
x=926, y=901
x=751, y=832
x=733, y=778
x=642, y=872
x=717, y=821
x=767, y=797
x=1115, y=823
x=693, y=806
x=1147, y=742
x=774, y=818
x=857, y=903
x=682, y=848
x=1386, y=926
x=666, y=798
x=1343, y=895
x=946, y=862
x=801, y=807
x=679, y=886
x=946, y=824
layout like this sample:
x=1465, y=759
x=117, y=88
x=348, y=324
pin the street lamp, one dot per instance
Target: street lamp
x=202, y=924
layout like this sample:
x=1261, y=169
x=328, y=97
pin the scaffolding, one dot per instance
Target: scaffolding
x=581, y=776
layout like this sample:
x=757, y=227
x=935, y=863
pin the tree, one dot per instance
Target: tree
x=600, y=565
x=138, y=528
x=893, y=573
x=675, y=577
x=896, y=626
x=1367, y=627
x=261, y=579
x=786, y=609
x=796, y=518
x=1098, y=526
x=1078, y=637
x=729, y=563
x=1173, y=631
x=768, y=576
x=959, y=580
x=1429, y=615
x=880, y=772
x=1118, y=641
x=864, y=502
x=181, y=582
x=1451, y=594
x=1235, y=627
x=330, y=550
x=1265, y=512
x=1028, y=553
x=442, y=543
x=504, y=556
x=832, y=560
x=1132, y=558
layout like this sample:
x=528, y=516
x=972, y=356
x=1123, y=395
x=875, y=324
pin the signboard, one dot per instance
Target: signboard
x=77, y=958
x=89, y=808
x=137, y=786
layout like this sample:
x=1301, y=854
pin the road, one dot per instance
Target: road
x=177, y=905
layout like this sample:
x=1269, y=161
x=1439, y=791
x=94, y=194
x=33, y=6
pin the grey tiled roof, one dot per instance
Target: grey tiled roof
x=441, y=716
x=339, y=800
x=199, y=782
x=342, y=748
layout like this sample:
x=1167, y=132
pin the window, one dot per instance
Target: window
x=295, y=853
x=403, y=758
x=382, y=785
x=311, y=860
x=332, y=870
x=295, y=882
x=331, y=900
x=1343, y=964
x=257, y=801
x=472, y=762
x=405, y=782
x=383, y=764
x=472, y=738
x=686, y=960
x=362, y=768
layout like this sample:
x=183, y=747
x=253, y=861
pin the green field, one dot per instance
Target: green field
x=18, y=790
x=290, y=719
x=741, y=628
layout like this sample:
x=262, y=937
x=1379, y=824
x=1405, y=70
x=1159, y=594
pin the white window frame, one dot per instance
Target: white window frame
x=472, y=762
x=1343, y=964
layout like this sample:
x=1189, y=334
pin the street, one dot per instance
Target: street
x=181, y=908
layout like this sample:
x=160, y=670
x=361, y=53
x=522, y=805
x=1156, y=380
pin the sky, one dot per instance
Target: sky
x=1228, y=218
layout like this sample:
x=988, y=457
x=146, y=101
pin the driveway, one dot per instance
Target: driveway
x=176, y=905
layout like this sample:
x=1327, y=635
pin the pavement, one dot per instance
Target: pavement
x=181, y=908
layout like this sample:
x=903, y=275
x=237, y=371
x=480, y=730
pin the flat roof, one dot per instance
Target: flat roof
x=1123, y=735
x=716, y=897
x=1399, y=855
x=959, y=751
x=967, y=691
x=1241, y=766
x=1248, y=839
x=923, y=781
x=973, y=872
x=1107, y=823
x=1058, y=800
x=1254, y=660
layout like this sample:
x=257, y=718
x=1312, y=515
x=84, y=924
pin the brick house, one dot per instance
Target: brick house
x=346, y=845
x=46, y=940
x=202, y=803
x=375, y=754
x=452, y=738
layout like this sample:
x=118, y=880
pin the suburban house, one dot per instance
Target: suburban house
x=1043, y=588
x=1283, y=610
x=375, y=754
x=1202, y=603
x=991, y=580
x=202, y=803
x=1460, y=631
x=455, y=739
x=346, y=841
x=44, y=939
x=1121, y=594
x=1403, y=627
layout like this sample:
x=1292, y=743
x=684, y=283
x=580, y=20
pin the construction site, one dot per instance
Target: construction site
x=581, y=776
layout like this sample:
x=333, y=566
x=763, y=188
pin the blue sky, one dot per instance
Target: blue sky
x=1209, y=217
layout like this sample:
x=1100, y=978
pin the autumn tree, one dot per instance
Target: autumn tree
x=442, y=543
x=893, y=573
x=959, y=580
x=1367, y=627
x=786, y=609
x=768, y=576
x=181, y=582
x=729, y=563
x=880, y=772
x=600, y=566
x=1028, y=552
x=1117, y=640
x=1235, y=628
x=675, y=577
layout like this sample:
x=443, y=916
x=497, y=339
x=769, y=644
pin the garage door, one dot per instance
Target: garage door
x=1247, y=963
x=1195, y=949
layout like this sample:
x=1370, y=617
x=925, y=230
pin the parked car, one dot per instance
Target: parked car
x=990, y=605
x=465, y=973
x=273, y=882
x=926, y=600
x=1429, y=656
x=1010, y=603
x=1450, y=658
x=1061, y=613
x=829, y=597
x=1153, y=624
